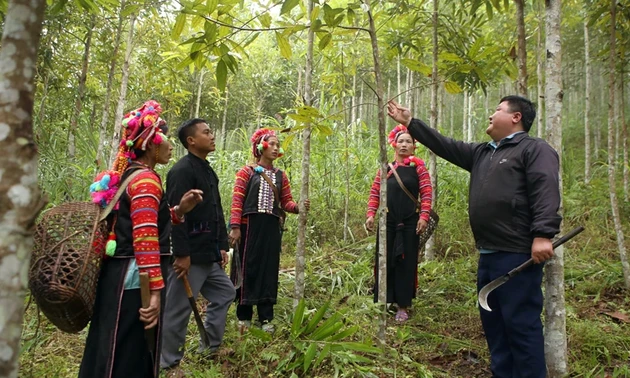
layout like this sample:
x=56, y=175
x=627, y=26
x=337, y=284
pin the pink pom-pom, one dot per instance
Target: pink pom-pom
x=157, y=139
x=132, y=123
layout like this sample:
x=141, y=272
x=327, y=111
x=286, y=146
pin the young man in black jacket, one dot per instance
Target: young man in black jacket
x=513, y=207
x=199, y=246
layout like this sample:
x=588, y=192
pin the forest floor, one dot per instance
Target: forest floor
x=442, y=338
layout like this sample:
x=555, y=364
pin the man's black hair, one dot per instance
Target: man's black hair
x=524, y=106
x=187, y=129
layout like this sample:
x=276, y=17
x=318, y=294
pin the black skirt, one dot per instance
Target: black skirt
x=259, y=257
x=116, y=345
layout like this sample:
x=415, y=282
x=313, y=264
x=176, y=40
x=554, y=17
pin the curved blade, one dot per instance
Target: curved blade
x=485, y=291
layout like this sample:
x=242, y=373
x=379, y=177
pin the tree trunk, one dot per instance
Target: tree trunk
x=598, y=129
x=587, y=105
x=78, y=104
x=465, y=117
x=522, y=48
x=21, y=198
x=382, y=215
x=101, y=156
x=470, y=121
x=353, y=117
x=540, y=77
x=123, y=91
x=429, y=251
x=611, y=155
x=624, y=126
x=399, y=89
x=361, y=106
x=200, y=86
x=412, y=99
x=224, y=120
x=300, y=260
x=555, y=310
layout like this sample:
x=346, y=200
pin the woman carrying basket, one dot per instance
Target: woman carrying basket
x=405, y=219
x=139, y=241
x=261, y=195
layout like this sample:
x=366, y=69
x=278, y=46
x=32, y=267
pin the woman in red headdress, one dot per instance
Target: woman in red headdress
x=139, y=242
x=262, y=194
x=405, y=219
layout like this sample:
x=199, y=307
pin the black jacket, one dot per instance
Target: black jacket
x=514, y=191
x=204, y=233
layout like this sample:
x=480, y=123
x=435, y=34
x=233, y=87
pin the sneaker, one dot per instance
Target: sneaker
x=402, y=316
x=244, y=325
x=174, y=372
x=269, y=328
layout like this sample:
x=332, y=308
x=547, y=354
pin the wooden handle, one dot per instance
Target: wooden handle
x=187, y=287
x=145, y=292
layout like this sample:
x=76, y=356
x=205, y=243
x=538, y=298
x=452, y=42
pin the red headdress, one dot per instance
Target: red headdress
x=259, y=142
x=395, y=133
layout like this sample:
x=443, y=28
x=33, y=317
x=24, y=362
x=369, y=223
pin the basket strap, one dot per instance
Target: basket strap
x=119, y=193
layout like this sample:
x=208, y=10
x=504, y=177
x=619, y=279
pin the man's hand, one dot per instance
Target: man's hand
x=369, y=224
x=422, y=225
x=224, y=258
x=234, y=236
x=542, y=250
x=181, y=266
x=189, y=200
x=150, y=315
x=398, y=113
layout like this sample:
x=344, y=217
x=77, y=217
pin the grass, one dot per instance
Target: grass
x=443, y=337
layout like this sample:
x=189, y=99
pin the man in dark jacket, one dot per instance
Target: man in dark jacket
x=513, y=207
x=199, y=246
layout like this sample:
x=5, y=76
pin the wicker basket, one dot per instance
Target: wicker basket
x=434, y=219
x=65, y=266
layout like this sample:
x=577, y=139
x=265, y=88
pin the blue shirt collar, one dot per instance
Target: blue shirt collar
x=494, y=144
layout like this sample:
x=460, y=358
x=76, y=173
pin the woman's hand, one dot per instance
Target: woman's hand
x=369, y=224
x=234, y=236
x=307, y=204
x=189, y=200
x=150, y=315
x=422, y=225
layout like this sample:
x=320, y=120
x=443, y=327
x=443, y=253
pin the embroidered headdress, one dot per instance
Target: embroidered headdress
x=259, y=142
x=393, y=137
x=138, y=127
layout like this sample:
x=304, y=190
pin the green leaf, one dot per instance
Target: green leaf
x=312, y=324
x=265, y=20
x=323, y=354
x=351, y=16
x=489, y=10
x=449, y=57
x=343, y=334
x=297, y=317
x=58, y=6
x=496, y=4
x=211, y=6
x=309, y=355
x=283, y=44
x=325, y=40
x=417, y=66
x=475, y=5
x=300, y=118
x=210, y=35
x=260, y=334
x=288, y=5
x=308, y=111
x=452, y=87
x=221, y=75
x=180, y=21
x=325, y=130
x=317, y=25
x=361, y=347
x=129, y=9
x=315, y=13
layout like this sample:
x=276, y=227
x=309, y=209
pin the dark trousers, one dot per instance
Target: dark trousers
x=513, y=328
x=246, y=312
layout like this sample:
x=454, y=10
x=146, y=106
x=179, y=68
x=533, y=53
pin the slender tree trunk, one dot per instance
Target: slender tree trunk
x=21, y=198
x=353, y=117
x=224, y=120
x=412, y=99
x=389, y=88
x=587, y=105
x=471, y=121
x=199, y=90
x=429, y=251
x=611, y=155
x=465, y=117
x=361, y=106
x=624, y=126
x=123, y=90
x=78, y=104
x=300, y=260
x=598, y=129
x=540, y=77
x=399, y=89
x=101, y=156
x=382, y=215
x=522, y=48
x=555, y=310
